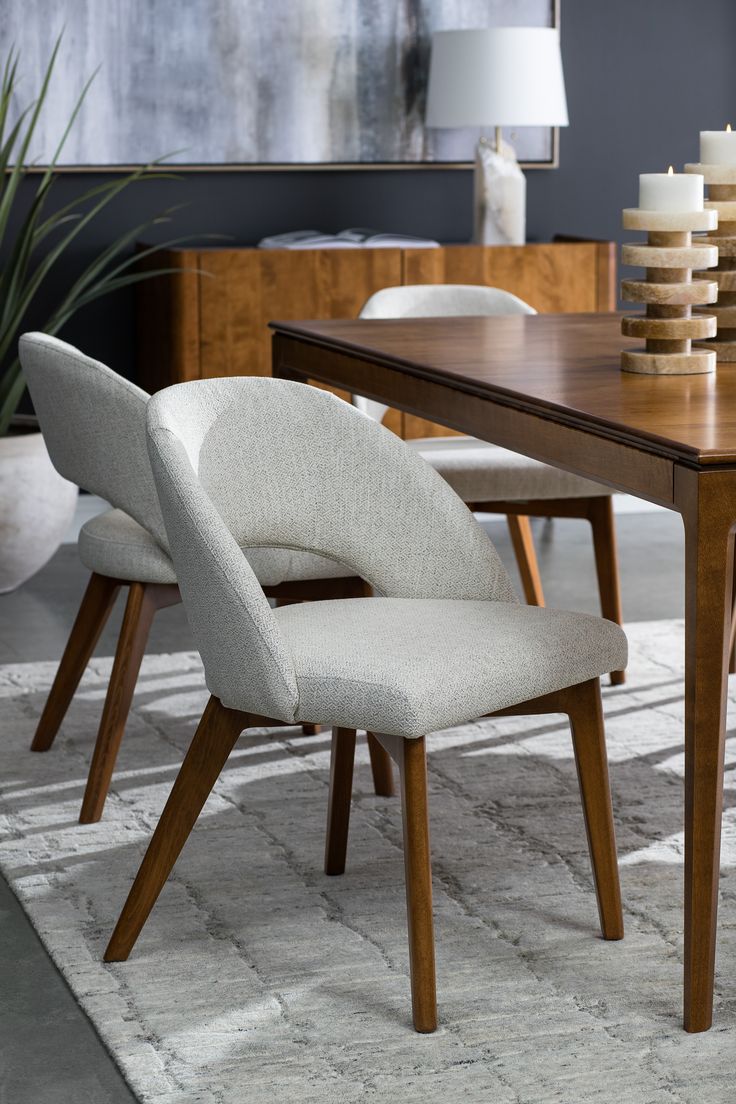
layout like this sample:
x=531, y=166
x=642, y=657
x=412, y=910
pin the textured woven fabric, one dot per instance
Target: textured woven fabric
x=115, y=545
x=260, y=462
x=475, y=470
x=94, y=425
x=411, y=667
x=480, y=472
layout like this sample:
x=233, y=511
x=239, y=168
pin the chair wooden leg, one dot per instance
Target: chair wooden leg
x=381, y=768
x=586, y=721
x=526, y=557
x=213, y=741
x=139, y=613
x=414, y=811
x=600, y=514
x=98, y=600
x=338, y=807
x=732, y=640
x=311, y=729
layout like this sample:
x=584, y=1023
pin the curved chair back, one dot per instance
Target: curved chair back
x=250, y=462
x=435, y=301
x=94, y=425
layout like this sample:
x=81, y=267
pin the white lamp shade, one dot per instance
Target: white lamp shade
x=499, y=76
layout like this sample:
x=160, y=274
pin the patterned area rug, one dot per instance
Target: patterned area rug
x=258, y=979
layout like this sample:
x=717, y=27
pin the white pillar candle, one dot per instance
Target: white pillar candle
x=671, y=191
x=718, y=147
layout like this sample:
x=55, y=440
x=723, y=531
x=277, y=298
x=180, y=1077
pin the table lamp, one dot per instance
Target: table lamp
x=494, y=77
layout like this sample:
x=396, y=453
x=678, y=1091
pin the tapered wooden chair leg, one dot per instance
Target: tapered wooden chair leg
x=338, y=806
x=213, y=741
x=381, y=768
x=522, y=540
x=139, y=613
x=414, y=811
x=600, y=513
x=311, y=729
x=586, y=722
x=732, y=640
x=98, y=600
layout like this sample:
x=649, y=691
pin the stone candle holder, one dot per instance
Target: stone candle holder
x=669, y=325
x=721, y=181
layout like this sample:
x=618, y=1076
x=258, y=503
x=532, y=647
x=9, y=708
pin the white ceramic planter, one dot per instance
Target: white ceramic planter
x=36, y=508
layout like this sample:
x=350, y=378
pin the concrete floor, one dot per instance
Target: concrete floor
x=49, y=1053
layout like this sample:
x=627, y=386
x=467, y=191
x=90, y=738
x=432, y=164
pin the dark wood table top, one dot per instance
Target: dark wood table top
x=560, y=366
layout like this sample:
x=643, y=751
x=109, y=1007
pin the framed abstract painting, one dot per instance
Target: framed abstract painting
x=254, y=84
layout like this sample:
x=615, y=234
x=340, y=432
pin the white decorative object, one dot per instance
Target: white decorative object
x=36, y=508
x=499, y=199
x=718, y=147
x=494, y=77
x=670, y=191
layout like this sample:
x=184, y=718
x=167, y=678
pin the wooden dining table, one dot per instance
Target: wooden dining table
x=550, y=386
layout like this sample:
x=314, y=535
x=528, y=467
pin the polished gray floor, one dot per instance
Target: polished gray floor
x=49, y=1053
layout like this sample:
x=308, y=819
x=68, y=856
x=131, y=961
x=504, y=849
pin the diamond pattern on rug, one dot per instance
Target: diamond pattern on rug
x=257, y=978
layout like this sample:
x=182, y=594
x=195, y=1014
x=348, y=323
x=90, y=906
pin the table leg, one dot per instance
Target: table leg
x=707, y=502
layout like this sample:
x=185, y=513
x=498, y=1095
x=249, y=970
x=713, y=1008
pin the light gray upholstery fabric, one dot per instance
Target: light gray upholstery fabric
x=94, y=425
x=480, y=472
x=261, y=461
x=411, y=667
x=474, y=469
x=113, y=544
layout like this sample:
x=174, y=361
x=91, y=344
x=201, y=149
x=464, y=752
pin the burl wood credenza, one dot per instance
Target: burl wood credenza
x=209, y=316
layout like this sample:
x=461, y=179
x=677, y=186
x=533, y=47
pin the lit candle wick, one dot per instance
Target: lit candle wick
x=670, y=171
x=728, y=128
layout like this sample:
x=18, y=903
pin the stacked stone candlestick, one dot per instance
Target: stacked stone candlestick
x=721, y=181
x=669, y=325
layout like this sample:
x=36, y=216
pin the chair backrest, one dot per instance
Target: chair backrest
x=435, y=301
x=94, y=425
x=252, y=462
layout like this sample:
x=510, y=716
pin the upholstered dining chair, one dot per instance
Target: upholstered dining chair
x=93, y=422
x=496, y=480
x=251, y=462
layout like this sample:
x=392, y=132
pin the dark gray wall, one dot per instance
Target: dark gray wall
x=633, y=108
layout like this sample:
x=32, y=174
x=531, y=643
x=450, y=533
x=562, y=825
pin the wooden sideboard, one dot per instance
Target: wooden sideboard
x=209, y=316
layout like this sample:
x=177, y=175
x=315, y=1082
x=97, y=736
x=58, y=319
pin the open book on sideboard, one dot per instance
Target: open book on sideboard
x=210, y=316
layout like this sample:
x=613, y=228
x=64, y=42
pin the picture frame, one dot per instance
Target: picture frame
x=169, y=106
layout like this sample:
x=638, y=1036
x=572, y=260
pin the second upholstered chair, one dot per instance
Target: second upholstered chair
x=494, y=479
x=246, y=463
x=93, y=422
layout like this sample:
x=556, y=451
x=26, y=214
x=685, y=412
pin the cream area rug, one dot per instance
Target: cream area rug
x=259, y=979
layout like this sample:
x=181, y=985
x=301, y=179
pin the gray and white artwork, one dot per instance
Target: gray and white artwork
x=252, y=82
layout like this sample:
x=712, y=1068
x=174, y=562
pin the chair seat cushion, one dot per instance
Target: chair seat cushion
x=113, y=544
x=412, y=666
x=480, y=472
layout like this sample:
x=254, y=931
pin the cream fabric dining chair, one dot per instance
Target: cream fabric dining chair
x=250, y=462
x=93, y=422
x=494, y=479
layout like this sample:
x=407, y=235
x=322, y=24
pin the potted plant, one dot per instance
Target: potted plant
x=36, y=504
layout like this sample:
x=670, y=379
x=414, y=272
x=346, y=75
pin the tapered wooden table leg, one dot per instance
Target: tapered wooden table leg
x=708, y=505
x=98, y=600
